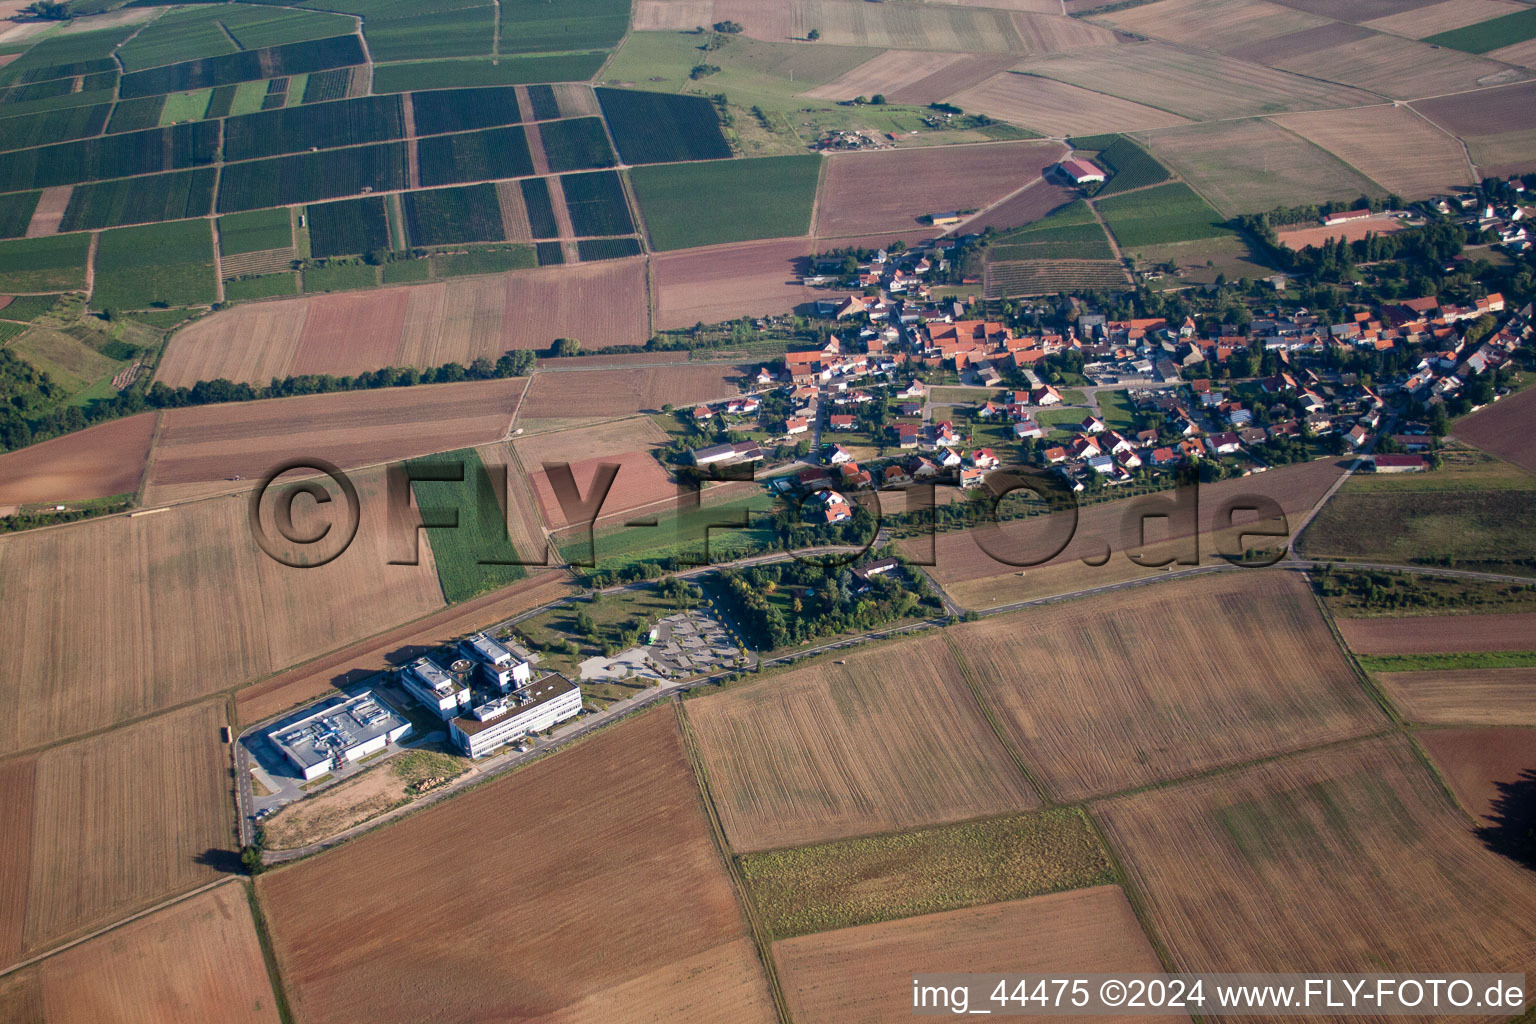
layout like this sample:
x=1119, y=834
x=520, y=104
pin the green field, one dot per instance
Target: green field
x=262, y=287
x=257, y=231
x=307, y=177
x=27, y=308
x=461, y=110
x=678, y=534
x=474, y=156
x=448, y=74
x=1489, y=35
x=156, y=197
x=57, y=126
x=246, y=98
x=596, y=203
x=54, y=263
x=407, y=271
x=70, y=361
x=1133, y=167
x=313, y=126
x=347, y=228
x=465, y=32
x=881, y=878
x=658, y=127
x=340, y=277
x=185, y=106
x=1446, y=662
x=167, y=264
x=16, y=213
x=535, y=26
x=446, y=215
x=491, y=260
x=481, y=532
x=1156, y=216
x=1116, y=410
x=579, y=144
x=726, y=200
x=1069, y=233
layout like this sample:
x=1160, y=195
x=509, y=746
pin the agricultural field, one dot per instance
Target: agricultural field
x=1034, y=203
x=727, y=281
x=1048, y=277
x=474, y=156
x=1057, y=108
x=138, y=579
x=1514, y=27
x=200, y=956
x=864, y=881
x=185, y=34
x=200, y=450
x=111, y=156
x=97, y=462
x=476, y=555
x=861, y=973
x=245, y=66
x=167, y=264
x=589, y=250
x=908, y=76
x=307, y=177
x=418, y=325
x=1130, y=166
x=1159, y=216
x=1253, y=166
x=16, y=213
x=409, y=76
x=158, y=197
x=1485, y=768
x=686, y=205
x=1191, y=84
x=867, y=193
x=1069, y=233
x=600, y=392
x=1389, y=145
x=538, y=207
x=462, y=110
x=659, y=128
x=313, y=125
x=577, y=144
x=596, y=203
x=1251, y=699
x=257, y=231
x=456, y=32
x=529, y=27
x=1438, y=634
x=1505, y=429
x=1399, y=68
x=1303, y=844
x=471, y=213
x=1420, y=21
x=1214, y=24
x=642, y=952
x=156, y=793
x=1484, y=696
x=832, y=750
x=362, y=797
x=641, y=480
x=64, y=126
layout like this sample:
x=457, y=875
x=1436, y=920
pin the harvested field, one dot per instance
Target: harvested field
x=96, y=462
x=1509, y=154
x=906, y=76
x=1442, y=17
x=1400, y=68
x=156, y=797
x=1439, y=634
x=1296, y=488
x=200, y=450
x=326, y=676
x=196, y=960
x=1216, y=24
x=1038, y=199
x=1523, y=54
x=49, y=212
x=1254, y=166
x=1483, y=766
x=835, y=750
x=866, y=193
x=862, y=973
x=1029, y=6
x=1191, y=83
x=1352, y=231
x=642, y=838
x=421, y=325
x=136, y=581
x=1338, y=859
x=1491, y=112
x=1057, y=108
x=641, y=479
x=1248, y=669
x=1507, y=429
x=1356, y=10
x=722, y=282
x=1389, y=145
x=1487, y=696
x=1299, y=44
x=618, y=392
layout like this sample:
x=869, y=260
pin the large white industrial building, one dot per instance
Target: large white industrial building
x=499, y=666
x=325, y=740
x=438, y=690
x=532, y=708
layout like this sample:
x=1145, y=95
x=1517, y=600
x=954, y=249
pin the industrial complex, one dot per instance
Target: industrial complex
x=326, y=739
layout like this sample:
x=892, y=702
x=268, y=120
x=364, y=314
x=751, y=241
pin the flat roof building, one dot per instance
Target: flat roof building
x=325, y=740
x=539, y=705
x=499, y=666
x=438, y=690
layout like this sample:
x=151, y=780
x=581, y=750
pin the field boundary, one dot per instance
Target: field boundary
x=1047, y=798
x=268, y=953
x=762, y=939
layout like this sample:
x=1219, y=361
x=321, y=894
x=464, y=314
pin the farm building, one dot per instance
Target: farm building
x=1399, y=464
x=727, y=454
x=1080, y=172
x=350, y=731
x=539, y=705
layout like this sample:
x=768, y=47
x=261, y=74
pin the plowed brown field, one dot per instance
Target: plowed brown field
x=1347, y=859
x=641, y=479
x=1400, y=68
x=201, y=450
x=96, y=462
x=458, y=320
x=1507, y=429
x=864, y=193
x=116, y=822
x=602, y=839
x=1057, y=108
x=1483, y=766
x=1216, y=24
x=723, y=282
x=637, y=389
x=906, y=76
x=1439, y=634
x=1389, y=145
x=865, y=973
x=1165, y=681
x=1485, y=696
x=835, y=750
x=197, y=960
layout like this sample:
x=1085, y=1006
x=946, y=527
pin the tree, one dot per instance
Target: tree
x=566, y=347
x=878, y=99
x=49, y=11
x=813, y=35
